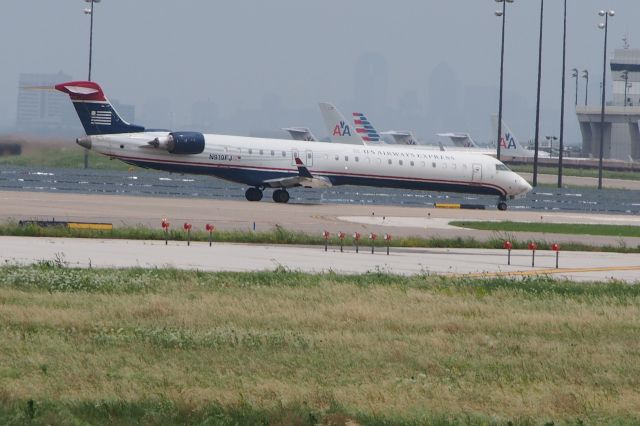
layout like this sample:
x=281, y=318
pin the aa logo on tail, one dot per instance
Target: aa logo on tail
x=510, y=145
x=342, y=129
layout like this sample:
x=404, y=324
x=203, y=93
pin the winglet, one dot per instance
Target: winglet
x=302, y=169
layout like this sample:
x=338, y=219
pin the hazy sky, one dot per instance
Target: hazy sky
x=243, y=54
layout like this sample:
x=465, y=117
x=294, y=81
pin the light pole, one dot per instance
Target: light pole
x=625, y=77
x=89, y=11
x=501, y=13
x=536, y=142
x=550, y=139
x=585, y=75
x=574, y=74
x=605, y=27
x=564, y=67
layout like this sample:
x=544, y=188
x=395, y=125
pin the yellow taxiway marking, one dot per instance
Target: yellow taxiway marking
x=546, y=271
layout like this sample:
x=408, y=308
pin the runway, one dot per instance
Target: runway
x=305, y=217
x=244, y=257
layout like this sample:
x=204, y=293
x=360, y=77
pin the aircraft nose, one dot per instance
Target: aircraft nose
x=526, y=187
x=84, y=142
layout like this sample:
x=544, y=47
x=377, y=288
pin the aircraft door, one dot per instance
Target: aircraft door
x=476, y=173
x=308, y=160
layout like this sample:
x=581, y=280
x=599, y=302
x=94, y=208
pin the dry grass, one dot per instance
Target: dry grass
x=396, y=350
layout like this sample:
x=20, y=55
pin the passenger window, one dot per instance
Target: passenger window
x=284, y=154
x=357, y=159
x=390, y=161
x=261, y=152
x=250, y=151
x=337, y=157
x=400, y=162
x=346, y=158
x=433, y=164
x=423, y=164
x=412, y=164
x=273, y=153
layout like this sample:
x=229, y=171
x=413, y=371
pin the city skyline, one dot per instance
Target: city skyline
x=259, y=78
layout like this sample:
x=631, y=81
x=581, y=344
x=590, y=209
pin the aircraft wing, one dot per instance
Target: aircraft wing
x=304, y=178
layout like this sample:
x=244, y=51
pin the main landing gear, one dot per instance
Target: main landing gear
x=253, y=194
x=502, y=205
x=281, y=196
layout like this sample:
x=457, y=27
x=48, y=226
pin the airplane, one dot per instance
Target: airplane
x=461, y=140
x=301, y=134
x=282, y=164
x=340, y=130
x=509, y=144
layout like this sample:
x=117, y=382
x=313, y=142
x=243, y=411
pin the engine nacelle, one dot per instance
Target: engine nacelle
x=185, y=143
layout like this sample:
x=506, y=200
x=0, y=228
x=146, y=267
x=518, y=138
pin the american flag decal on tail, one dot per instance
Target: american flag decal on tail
x=101, y=118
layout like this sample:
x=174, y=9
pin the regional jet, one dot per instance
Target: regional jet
x=282, y=164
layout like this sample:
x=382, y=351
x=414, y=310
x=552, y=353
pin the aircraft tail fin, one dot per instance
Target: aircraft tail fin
x=402, y=137
x=365, y=129
x=300, y=134
x=461, y=140
x=340, y=130
x=509, y=144
x=97, y=115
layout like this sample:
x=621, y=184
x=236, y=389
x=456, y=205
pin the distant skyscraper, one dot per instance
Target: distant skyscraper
x=44, y=110
x=371, y=82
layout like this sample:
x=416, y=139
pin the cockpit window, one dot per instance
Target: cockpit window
x=502, y=168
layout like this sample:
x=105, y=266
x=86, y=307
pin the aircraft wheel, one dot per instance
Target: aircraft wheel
x=281, y=196
x=502, y=206
x=253, y=194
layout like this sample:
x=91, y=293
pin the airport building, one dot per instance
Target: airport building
x=622, y=113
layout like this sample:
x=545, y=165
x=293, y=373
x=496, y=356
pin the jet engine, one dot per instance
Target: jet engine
x=180, y=142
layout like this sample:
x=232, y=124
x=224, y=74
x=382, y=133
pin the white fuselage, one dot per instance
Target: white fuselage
x=252, y=161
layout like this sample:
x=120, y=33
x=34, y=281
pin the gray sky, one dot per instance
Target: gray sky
x=243, y=55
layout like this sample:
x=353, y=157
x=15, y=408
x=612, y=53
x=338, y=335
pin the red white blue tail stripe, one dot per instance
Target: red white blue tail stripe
x=365, y=129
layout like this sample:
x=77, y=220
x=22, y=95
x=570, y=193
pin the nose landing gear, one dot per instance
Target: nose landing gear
x=502, y=204
x=281, y=196
x=253, y=194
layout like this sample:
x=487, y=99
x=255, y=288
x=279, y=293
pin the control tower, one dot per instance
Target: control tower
x=622, y=113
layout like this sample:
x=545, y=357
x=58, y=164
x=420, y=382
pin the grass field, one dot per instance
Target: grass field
x=553, y=228
x=71, y=157
x=281, y=235
x=171, y=347
x=570, y=171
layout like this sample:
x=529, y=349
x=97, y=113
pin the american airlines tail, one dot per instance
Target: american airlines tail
x=97, y=115
x=340, y=130
x=509, y=145
x=461, y=140
x=402, y=137
x=365, y=129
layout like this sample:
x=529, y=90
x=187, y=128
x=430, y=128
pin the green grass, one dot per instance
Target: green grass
x=569, y=171
x=69, y=157
x=553, y=228
x=280, y=235
x=163, y=346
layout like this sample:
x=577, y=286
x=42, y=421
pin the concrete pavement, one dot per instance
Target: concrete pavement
x=246, y=257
